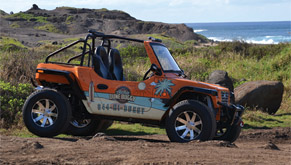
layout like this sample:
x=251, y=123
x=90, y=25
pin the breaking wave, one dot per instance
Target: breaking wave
x=199, y=30
x=253, y=41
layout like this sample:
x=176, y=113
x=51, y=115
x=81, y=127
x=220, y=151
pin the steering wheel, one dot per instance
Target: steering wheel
x=154, y=68
x=146, y=74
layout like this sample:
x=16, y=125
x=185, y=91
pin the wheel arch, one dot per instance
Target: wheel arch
x=190, y=93
x=68, y=78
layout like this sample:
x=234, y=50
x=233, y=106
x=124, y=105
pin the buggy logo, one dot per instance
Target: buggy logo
x=164, y=86
x=122, y=95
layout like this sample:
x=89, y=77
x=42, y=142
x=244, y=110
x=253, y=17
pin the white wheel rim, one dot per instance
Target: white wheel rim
x=188, y=125
x=81, y=123
x=44, y=113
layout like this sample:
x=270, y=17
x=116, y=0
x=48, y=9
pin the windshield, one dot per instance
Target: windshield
x=165, y=58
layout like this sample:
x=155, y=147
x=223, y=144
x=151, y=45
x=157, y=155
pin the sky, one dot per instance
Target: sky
x=174, y=11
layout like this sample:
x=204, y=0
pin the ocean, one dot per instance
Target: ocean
x=251, y=32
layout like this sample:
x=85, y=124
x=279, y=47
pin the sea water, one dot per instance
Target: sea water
x=251, y=32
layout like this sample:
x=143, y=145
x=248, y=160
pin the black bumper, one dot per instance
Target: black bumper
x=234, y=112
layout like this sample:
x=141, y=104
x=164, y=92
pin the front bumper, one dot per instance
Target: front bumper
x=234, y=112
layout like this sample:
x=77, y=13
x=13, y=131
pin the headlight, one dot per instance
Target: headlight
x=224, y=97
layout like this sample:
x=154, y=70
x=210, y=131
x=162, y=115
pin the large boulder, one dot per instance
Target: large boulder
x=263, y=95
x=221, y=77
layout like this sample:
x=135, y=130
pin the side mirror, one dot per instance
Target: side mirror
x=156, y=69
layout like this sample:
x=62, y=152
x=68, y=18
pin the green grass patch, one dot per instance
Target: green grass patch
x=15, y=25
x=49, y=28
x=8, y=40
x=133, y=129
x=69, y=19
x=28, y=17
x=257, y=119
x=10, y=44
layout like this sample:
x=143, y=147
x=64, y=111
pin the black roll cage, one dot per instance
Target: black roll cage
x=91, y=48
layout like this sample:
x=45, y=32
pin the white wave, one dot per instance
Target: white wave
x=264, y=41
x=270, y=36
x=269, y=41
x=219, y=39
x=199, y=30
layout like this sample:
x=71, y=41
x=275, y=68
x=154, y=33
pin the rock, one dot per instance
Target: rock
x=35, y=7
x=263, y=95
x=74, y=21
x=227, y=144
x=221, y=77
x=271, y=146
x=55, y=42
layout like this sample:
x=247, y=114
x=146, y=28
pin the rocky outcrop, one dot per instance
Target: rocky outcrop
x=221, y=77
x=35, y=7
x=263, y=95
x=72, y=21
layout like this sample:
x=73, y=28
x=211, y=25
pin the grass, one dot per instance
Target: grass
x=133, y=129
x=28, y=17
x=7, y=43
x=49, y=28
x=15, y=25
x=257, y=119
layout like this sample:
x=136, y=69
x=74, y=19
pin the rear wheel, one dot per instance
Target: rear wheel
x=190, y=120
x=46, y=113
x=88, y=127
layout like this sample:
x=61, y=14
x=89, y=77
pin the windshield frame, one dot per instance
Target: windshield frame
x=173, y=59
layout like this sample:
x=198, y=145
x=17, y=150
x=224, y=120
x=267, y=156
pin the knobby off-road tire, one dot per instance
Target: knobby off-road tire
x=47, y=113
x=228, y=134
x=88, y=127
x=190, y=120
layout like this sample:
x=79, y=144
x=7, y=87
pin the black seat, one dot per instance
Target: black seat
x=104, y=56
x=115, y=65
x=99, y=66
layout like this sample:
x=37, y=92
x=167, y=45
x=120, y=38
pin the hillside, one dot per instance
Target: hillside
x=37, y=24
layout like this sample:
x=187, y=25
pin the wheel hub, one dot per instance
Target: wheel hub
x=44, y=113
x=190, y=125
x=47, y=113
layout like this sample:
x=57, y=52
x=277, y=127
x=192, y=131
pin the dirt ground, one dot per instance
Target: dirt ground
x=264, y=146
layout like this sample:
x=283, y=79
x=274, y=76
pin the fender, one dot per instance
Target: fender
x=190, y=89
x=68, y=76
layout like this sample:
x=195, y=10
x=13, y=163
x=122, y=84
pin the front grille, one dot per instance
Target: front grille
x=224, y=97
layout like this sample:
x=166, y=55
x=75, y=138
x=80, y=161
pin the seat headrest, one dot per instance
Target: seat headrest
x=101, y=51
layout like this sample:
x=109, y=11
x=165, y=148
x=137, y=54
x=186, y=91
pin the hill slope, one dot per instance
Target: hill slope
x=73, y=21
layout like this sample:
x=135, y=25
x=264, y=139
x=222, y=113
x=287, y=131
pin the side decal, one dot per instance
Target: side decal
x=164, y=86
x=122, y=95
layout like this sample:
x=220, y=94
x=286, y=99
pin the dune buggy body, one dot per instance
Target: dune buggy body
x=95, y=88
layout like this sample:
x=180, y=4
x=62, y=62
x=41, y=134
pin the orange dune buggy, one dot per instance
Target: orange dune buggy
x=84, y=97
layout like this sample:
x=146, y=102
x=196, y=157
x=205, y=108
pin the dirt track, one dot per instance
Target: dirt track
x=253, y=147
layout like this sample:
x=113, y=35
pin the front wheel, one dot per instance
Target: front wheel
x=46, y=113
x=230, y=133
x=190, y=120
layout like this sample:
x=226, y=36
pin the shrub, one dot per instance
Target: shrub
x=12, y=98
x=17, y=66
